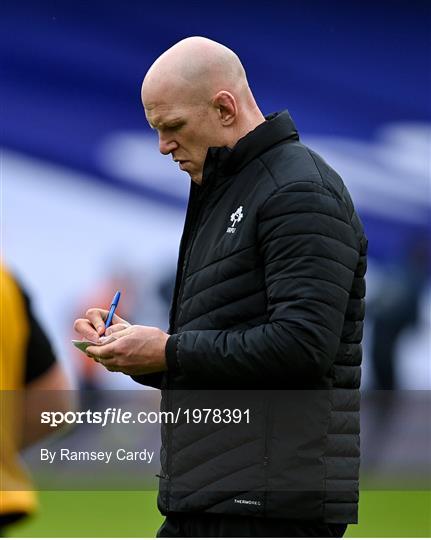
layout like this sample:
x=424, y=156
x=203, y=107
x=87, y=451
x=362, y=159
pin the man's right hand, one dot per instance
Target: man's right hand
x=93, y=326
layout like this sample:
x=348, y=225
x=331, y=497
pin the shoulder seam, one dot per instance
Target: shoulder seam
x=268, y=170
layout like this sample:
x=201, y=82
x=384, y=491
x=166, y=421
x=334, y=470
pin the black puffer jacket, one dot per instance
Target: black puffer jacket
x=269, y=295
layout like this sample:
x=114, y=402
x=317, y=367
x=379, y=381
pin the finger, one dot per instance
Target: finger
x=122, y=333
x=116, y=319
x=85, y=329
x=97, y=316
x=110, y=365
x=101, y=352
x=116, y=328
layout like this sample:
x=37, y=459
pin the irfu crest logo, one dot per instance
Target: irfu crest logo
x=236, y=217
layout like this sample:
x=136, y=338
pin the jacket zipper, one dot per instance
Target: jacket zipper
x=194, y=222
x=196, y=213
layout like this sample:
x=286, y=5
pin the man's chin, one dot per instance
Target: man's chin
x=196, y=178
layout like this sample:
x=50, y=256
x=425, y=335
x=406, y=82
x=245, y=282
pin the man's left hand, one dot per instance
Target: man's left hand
x=137, y=350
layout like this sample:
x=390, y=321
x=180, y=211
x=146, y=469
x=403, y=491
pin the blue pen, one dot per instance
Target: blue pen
x=114, y=305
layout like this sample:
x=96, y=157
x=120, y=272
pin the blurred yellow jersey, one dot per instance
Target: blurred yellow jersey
x=16, y=495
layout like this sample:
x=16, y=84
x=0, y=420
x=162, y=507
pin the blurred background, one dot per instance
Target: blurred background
x=88, y=205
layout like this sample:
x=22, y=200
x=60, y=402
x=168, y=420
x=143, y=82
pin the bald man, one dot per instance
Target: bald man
x=269, y=294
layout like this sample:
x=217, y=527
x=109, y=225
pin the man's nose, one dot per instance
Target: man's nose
x=166, y=146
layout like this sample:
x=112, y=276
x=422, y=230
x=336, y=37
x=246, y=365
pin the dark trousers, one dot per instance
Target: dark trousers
x=227, y=526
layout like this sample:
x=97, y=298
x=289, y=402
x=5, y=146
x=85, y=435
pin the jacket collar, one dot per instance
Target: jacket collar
x=226, y=161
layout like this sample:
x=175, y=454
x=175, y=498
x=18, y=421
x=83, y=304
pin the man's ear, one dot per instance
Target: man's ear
x=226, y=107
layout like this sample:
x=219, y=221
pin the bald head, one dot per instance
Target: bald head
x=196, y=95
x=195, y=68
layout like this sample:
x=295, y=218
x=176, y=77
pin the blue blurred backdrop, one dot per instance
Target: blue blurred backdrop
x=85, y=193
x=88, y=204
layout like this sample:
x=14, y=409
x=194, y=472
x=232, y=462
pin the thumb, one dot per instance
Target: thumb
x=114, y=328
x=119, y=333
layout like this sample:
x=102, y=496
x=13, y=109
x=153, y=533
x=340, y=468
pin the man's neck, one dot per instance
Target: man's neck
x=247, y=126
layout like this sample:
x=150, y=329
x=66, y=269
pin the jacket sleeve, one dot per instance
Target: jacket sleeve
x=309, y=252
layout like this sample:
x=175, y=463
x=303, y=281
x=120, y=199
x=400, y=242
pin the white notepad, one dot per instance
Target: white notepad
x=82, y=345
